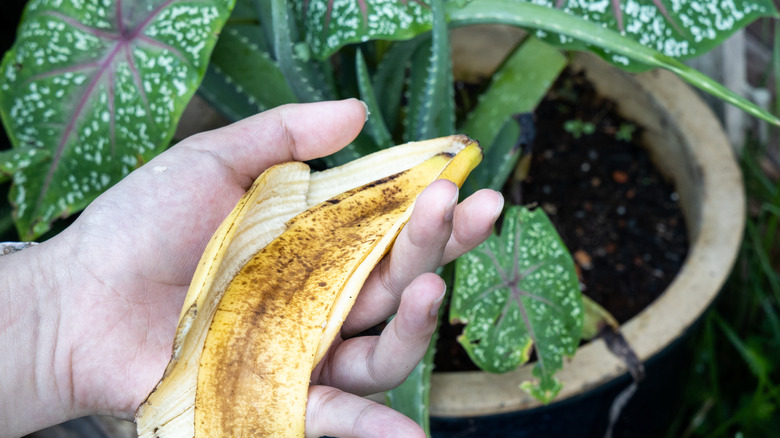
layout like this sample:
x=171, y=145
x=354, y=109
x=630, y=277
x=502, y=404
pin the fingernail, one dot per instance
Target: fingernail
x=500, y=207
x=437, y=302
x=365, y=107
x=449, y=210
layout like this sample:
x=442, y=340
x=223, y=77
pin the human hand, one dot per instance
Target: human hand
x=126, y=264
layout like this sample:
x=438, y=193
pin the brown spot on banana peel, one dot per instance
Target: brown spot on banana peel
x=254, y=370
x=282, y=192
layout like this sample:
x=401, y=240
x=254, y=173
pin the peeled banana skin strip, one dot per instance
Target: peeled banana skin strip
x=275, y=283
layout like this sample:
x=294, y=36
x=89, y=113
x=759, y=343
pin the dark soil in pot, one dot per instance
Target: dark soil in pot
x=615, y=212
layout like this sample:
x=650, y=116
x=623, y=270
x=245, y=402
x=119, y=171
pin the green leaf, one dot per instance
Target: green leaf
x=375, y=125
x=390, y=75
x=101, y=86
x=517, y=291
x=431, y=108
x=331, y=24
x=596, y=319
x=620, y=48
x=679, y=29
x=498, y=163
x=517, y=87
x=756, y=361
x=305, y=78
x=256, y=83
x=412, y=398
x=14, y=160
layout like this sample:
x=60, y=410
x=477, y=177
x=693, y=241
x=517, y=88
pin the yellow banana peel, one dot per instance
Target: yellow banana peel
x=275, y=283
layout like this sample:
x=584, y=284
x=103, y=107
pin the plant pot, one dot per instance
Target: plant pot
x=688, y=145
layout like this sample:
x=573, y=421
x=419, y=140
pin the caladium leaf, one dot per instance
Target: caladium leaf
x=621, y=49
x=100, y=84
x=331, y=24
x=518, y=291
x=14, y=160
x=679, y=29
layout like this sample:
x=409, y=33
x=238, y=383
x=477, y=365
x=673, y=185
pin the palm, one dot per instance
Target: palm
x=142, y=241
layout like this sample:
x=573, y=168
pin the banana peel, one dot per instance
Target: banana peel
x=277, y=280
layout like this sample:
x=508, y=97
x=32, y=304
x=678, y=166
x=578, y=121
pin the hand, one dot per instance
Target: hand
x=121, y=271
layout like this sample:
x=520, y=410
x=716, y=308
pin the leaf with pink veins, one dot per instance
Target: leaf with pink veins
x=100, y=85
x=329, y=24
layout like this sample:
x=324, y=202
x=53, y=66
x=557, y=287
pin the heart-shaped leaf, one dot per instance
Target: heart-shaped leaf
x=617, y=48
x=330, y=24
x=680, y=29
x=100, y=84
x=517, y=291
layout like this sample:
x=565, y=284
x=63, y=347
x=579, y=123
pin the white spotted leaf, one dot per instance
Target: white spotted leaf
x=516, y=292
x=612, y=45
x=676, y=28
x=331, y=24
x=100, y=85
x=679, y=29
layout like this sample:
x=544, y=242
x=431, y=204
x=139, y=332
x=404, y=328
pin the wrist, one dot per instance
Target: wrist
x=36, y=390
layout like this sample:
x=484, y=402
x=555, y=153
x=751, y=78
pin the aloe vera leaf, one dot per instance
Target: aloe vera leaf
x=241, y=89
x=389, y=78
x=375, y=125
x=517, y=87
x=429, y=83
x=306, y=81
x=499, y=162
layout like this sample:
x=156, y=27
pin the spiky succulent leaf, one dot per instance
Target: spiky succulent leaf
x=516, y=88
x=241, y=89
x=375, y=126
x=100, y=85
x=518, y=291
x=431, y=110
x=304, y=76
x=389, y=78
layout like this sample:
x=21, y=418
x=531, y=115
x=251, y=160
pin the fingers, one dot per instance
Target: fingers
x=334, y=413
x=473, y=223
x=418, y=249
x=431, y=238
x=369, y=364
x=289, y=132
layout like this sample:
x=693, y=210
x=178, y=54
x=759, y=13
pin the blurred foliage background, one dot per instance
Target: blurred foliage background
x=733, y=389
